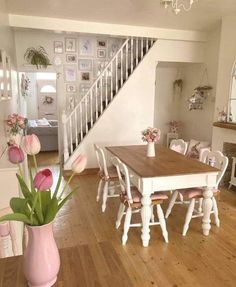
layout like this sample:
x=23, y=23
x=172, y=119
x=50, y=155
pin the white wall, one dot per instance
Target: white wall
x=7, y=44
x=166, y=103
x=133, y=108
x=32, y=98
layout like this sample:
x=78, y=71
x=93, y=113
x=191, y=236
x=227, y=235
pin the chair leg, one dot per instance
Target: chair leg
x=100, y=186
x=126, y=225
x=152, y=215
x=13, y=238
x=162, y=221
x=215, y=210
x=200, y=205
x=120, y=214
x=105, y=194
x=181, y=198
x=188, y=216
x=171, y=204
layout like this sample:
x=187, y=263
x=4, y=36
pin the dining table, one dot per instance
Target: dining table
x=167, y=170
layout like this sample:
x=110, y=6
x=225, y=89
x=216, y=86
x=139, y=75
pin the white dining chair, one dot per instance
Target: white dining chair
x=109, y=180
x=195, y=195
x=131, y=203
x=8, y=244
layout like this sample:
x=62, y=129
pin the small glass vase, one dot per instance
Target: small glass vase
x=151, y=149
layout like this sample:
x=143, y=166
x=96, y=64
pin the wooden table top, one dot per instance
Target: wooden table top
x=165, y=163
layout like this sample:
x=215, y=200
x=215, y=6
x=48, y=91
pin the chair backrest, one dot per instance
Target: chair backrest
x=124, y=178
x=101, y=159
x=179, y=146
x=217, y=160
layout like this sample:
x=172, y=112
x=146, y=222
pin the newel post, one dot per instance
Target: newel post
x=65, y=138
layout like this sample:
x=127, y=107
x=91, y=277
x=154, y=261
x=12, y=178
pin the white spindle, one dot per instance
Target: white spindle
x=116, y=74
x=71, y=135
x=105, y=80
x=101, y=104
x=141, y=48
x=146, y=45
x=136, y=51
x=111, y=80
x=76, y=129
x=81, y=121
x=86, y=114
x=126, y=60
x=91, y=107
x=132, y=55
x=65, y=136
x=96, y=101
x=121, y=67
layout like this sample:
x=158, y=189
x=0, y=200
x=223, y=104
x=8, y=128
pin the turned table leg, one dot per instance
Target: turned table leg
x=146, y=216
x=207, y=207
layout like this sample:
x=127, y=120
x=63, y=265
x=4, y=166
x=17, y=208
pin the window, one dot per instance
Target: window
x=46, y=76
x=48, y=89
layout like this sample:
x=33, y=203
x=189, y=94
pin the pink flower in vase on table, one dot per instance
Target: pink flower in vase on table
x=151, y=134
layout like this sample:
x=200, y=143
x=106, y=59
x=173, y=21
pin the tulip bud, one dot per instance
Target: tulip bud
x=31, y=144
x=79, y=164
x=43, y=180
x=15, y=154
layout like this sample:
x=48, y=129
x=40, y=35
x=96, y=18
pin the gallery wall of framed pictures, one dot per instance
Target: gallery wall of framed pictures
x=83, y=59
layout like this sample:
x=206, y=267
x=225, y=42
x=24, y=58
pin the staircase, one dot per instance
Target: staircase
x=78, y=123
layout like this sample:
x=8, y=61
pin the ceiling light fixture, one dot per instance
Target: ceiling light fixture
x=177, y=5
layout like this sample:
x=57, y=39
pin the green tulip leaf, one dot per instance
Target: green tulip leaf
x=20, y=205
x=51, y=210
x=25, y=190
x=58, y=183
x=45, y=201
x=67, y=197
x=16, y=217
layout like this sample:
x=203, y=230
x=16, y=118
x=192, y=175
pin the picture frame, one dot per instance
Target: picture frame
x=85, y=76
x=71, y=58
x=85, y=64
x=71, y=88
x=70, y=44
x=113, y=46
x=70, y=73
x=101, y=53
x=102, y=43
x=99, y=66
x=58, y=47
x=86, y=47
x=83, y=88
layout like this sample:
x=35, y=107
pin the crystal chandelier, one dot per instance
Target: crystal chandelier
x=177, y=5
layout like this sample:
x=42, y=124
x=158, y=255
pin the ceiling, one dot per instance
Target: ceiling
x=204, y=15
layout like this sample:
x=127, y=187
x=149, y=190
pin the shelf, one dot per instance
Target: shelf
x=223, y=125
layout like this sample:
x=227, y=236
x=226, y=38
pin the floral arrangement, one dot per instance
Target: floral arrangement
x=174, y=126
x=16, y=123
x=151, y=134
x=25, y=81
x=39, y=204
x=222, y=115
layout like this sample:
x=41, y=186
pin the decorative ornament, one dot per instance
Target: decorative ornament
x=177, y=5
x=48, y=100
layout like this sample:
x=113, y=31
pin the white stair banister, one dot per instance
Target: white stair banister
x=65, y=138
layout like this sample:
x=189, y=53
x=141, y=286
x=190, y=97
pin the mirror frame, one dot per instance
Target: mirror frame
x=6, y=92
x=233, y=72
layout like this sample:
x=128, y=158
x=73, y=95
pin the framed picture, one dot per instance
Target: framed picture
x=85, y=76
x=71, y=58
x=70, y=73
x=99, y=66
x=101, y=53
x=85, y=65
x=71, y=88
x=101, y=43
x=70, y=45
x=58, y=47
x=83, y=88
x=86, y=47
x=113, y=46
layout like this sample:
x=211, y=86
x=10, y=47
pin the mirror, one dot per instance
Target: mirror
x=5, y=76
x=231, y=117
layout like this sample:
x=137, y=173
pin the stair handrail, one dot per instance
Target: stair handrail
x=98, y=78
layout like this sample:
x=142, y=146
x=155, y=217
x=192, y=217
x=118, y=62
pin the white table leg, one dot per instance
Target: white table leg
x=146, y=217
x=207, y=207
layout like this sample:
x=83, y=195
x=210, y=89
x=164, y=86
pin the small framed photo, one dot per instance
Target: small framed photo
x=83, y=88
x=70, y=45
x=101, y=43
x=101, y=53
x=99, y=66
x=71, y=58
x=86, y=47
x=71, y=88
x=58, y=47
x=70, y=73
x=85, y=76
x=85, y=65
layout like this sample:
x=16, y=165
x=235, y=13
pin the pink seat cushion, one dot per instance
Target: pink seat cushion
x=194, y=192
x=136, y=195
x=112, y=172
x=177, y=148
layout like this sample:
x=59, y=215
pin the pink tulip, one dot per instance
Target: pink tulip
x=43, y=180
x=79, y=164
x=31, y=144
x=15, y=154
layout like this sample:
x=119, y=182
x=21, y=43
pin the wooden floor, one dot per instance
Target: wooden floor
x=100, y=259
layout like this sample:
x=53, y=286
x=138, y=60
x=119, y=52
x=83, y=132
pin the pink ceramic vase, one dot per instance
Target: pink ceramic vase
x=41, y=257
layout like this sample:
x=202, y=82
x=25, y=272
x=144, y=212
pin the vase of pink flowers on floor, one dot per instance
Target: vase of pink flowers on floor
x=37, y=210
x=16, y=128
x=151, y=135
